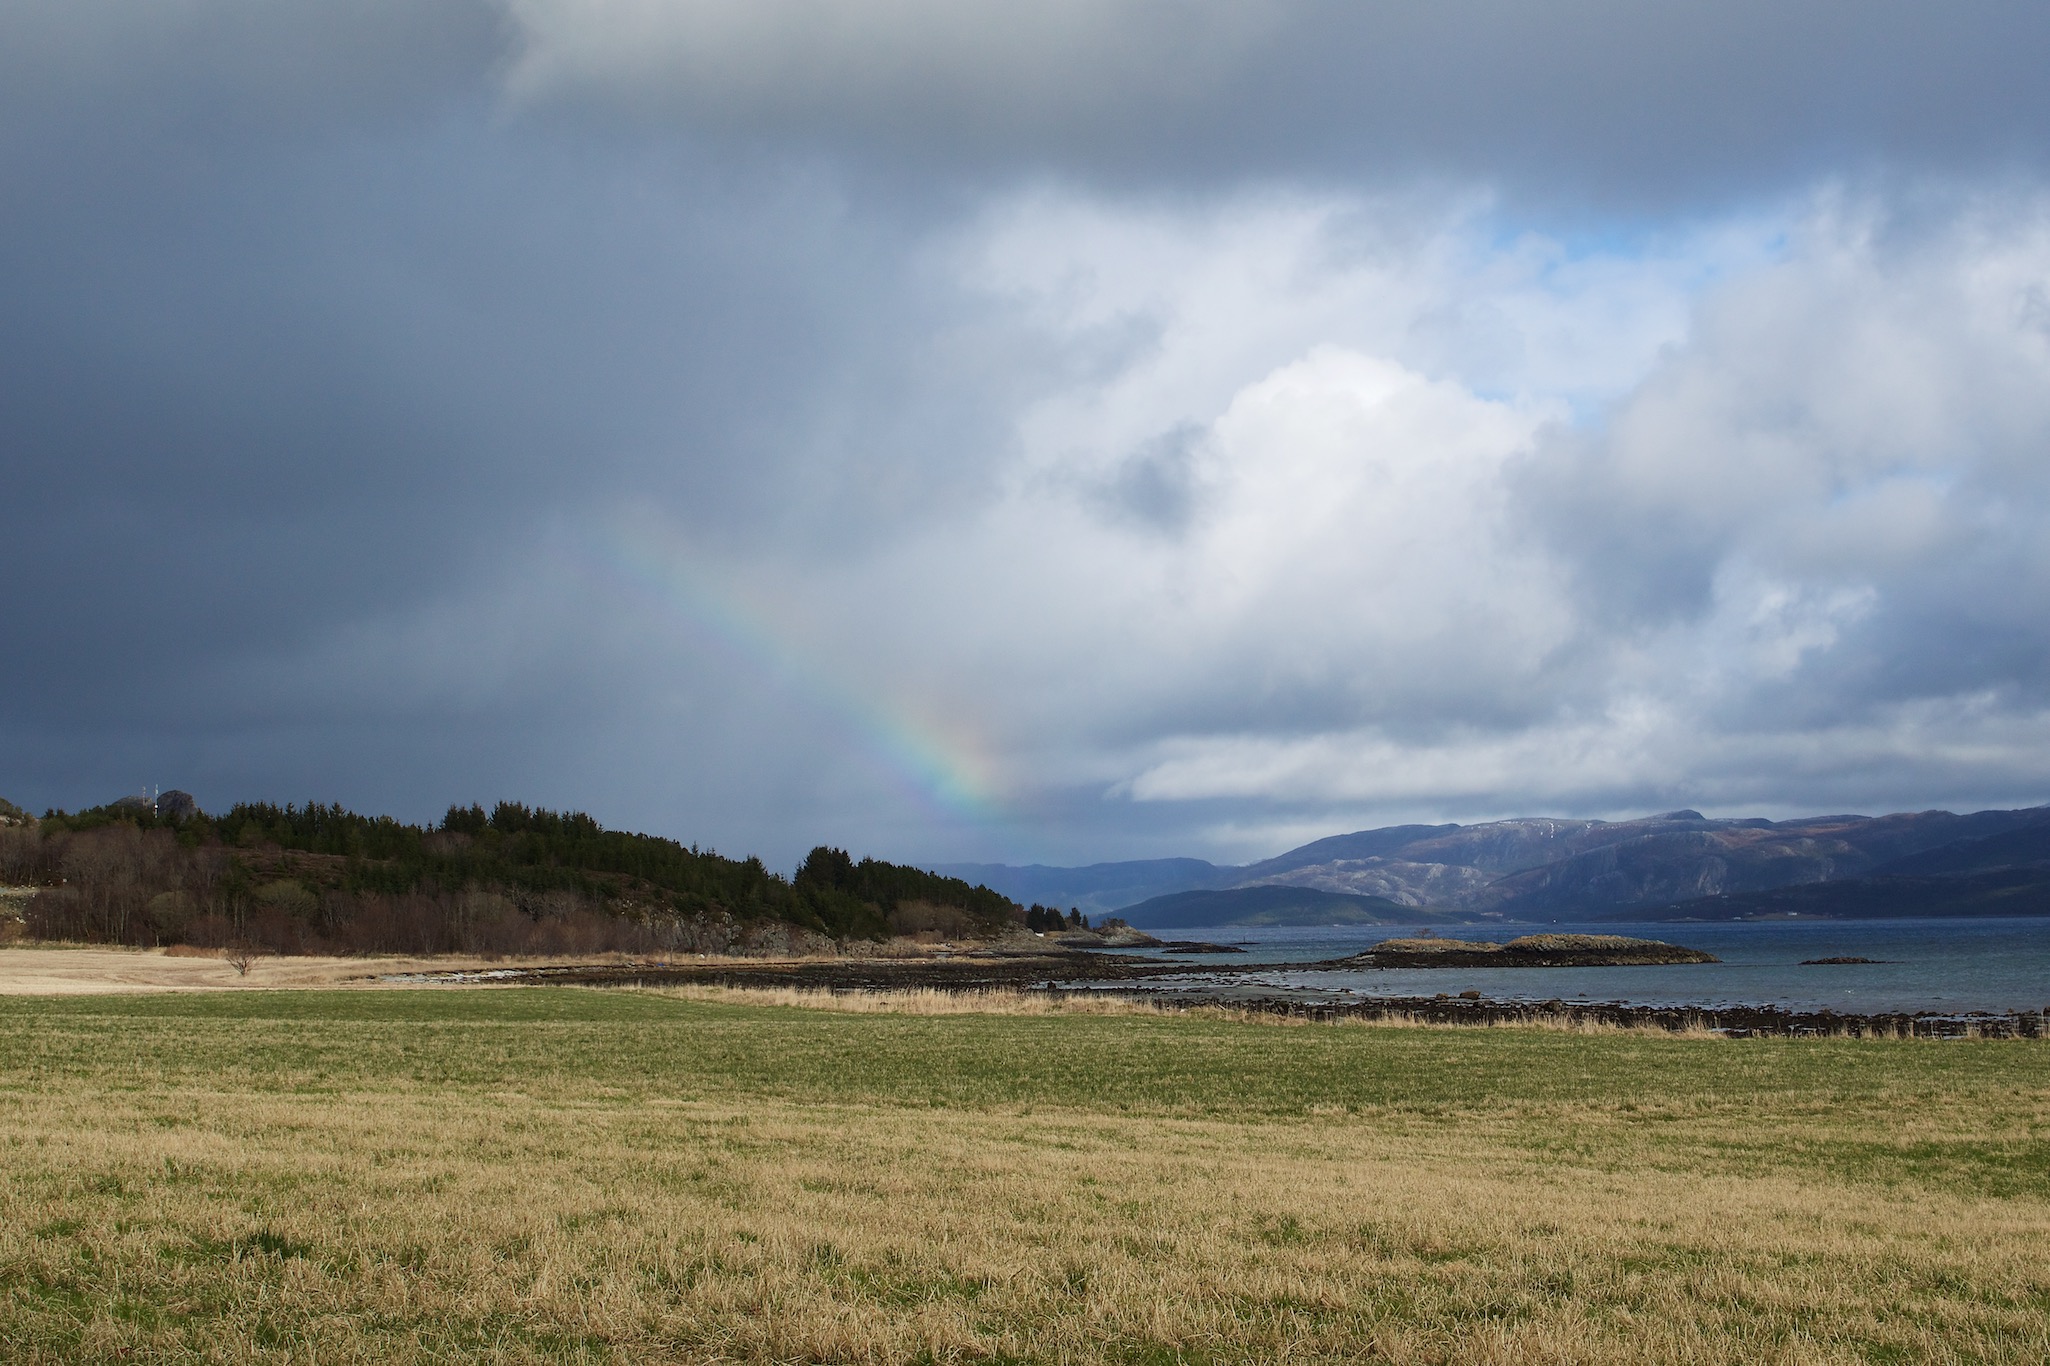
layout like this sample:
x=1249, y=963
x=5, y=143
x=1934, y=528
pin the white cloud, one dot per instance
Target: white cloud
x=1332, y=392
x=1401, y=571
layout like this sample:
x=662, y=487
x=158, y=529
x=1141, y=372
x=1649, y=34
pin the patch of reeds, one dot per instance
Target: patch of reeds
x=1016, y=1001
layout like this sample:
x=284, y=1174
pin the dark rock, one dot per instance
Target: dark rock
x=1736, y=1022
x=173, y=805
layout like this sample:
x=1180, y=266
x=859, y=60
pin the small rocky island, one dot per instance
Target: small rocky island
x=1529, y=951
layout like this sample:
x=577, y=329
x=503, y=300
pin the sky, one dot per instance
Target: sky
x=960, y=430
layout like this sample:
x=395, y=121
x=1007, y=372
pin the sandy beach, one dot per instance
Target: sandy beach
x=64, y=971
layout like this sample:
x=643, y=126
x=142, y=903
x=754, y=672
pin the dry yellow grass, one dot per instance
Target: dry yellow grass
x=916, y=1000
x=779, y=1232
x=80, y=970
x=206, y=1198
x=70, y=970
x=1013, y=1001
x=59, y=969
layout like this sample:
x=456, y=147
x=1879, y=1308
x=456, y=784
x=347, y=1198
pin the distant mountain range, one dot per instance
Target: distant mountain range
x=1272, y=903
x=1676, y=866
x=1096, y=889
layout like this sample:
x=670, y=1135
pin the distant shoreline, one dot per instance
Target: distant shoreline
x=1091, y=974
x=1735, y=1022
x=83, y=970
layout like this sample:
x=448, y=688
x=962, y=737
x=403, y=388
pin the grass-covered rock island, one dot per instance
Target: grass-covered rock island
x=1527, y=951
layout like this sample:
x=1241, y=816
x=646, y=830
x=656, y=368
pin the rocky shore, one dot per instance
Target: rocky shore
x=1737, y=1022
x=1080, y=973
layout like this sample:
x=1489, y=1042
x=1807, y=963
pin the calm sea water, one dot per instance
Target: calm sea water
x=1926, y=965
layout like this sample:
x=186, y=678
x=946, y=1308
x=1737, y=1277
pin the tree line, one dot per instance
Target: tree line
x=1048, y=919
x=513, y=880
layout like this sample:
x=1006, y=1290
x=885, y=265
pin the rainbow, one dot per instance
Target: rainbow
x=653, y=565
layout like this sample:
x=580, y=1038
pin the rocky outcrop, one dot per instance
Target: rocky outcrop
x=1529, y=951
x=172, y=806
x=1111, y=934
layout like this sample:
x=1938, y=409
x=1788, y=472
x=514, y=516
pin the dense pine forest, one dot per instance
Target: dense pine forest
x=513, y=880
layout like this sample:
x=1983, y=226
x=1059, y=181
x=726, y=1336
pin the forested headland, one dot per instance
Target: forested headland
x=511, y=880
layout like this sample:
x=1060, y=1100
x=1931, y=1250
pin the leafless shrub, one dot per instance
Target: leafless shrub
x=923, y=917
x=21, y=850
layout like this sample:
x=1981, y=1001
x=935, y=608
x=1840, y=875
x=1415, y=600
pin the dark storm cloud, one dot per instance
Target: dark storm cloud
x=1633, y=102
x=331, y=336
x=306, y=348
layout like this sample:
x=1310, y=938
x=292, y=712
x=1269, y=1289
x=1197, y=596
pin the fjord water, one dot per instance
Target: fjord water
x=1945, y=966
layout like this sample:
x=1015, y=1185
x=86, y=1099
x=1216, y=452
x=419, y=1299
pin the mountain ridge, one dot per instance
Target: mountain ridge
x=1269, y=903
x=1544, y=869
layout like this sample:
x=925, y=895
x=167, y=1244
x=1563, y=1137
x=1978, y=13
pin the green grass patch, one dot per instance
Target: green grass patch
x=645, y=1046
x=560, y=1174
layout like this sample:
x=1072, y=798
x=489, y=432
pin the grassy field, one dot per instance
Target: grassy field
x=556, y=1174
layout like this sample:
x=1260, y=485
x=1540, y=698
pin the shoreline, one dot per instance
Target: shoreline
x=1733, y=1022
x=70, y=970
x=1100, y=975
x=942, y=972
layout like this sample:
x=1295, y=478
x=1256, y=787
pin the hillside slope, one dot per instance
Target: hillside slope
x=1095, y=889
x=1997, y=892
x=514, y=880
x=1551, y=869
x=1272, y=904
